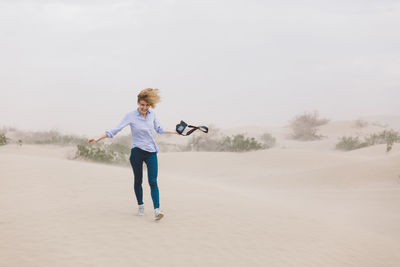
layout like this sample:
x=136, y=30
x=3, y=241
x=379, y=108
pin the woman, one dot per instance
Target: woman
x=143, y=122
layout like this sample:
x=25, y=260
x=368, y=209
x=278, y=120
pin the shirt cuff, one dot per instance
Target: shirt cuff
x=109, y=134
x=161, y=130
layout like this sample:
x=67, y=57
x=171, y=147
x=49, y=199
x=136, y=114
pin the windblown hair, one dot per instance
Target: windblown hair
x=150, y=96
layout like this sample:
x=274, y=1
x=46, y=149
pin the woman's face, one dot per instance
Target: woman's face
x=143, y=107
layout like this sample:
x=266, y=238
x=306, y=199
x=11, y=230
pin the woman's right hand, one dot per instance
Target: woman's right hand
x=91, y=141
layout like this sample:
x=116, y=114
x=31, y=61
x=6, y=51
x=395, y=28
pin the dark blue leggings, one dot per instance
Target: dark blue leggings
x=138, y=156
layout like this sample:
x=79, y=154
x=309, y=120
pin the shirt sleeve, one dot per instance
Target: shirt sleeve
x=124, y=122
x=157, y=126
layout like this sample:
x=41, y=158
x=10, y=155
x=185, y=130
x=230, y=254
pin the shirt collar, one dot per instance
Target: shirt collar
x=149, y=111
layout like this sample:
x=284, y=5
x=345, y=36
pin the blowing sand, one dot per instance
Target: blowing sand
x=280, y=207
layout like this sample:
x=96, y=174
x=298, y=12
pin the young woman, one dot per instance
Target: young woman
x=143, y=123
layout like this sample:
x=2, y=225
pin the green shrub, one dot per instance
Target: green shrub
x=202, y=143
x=239, y=143
x=105, y=153
x=52, y=137
x=268, y=140
x=119, y=148
x=350, y=143
x=124, y=140
x=388, y=137
x=3, y=139
x=391, y=137
x=214, y=142
x=225, y=144
x=304, y=127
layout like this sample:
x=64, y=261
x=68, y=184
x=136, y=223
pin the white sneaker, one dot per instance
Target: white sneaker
x=141, y=210
x=158, y=214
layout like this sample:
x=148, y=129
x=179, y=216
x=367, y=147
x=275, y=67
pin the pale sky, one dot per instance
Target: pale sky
x=77, y=66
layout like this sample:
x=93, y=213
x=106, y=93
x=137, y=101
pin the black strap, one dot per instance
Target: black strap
x=204, y=129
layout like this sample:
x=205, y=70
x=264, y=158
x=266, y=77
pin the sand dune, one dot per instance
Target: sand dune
x=280, y=207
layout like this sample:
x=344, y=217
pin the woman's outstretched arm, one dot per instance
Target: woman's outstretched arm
x=91, y=141
x=170, y=132
x=112, y=132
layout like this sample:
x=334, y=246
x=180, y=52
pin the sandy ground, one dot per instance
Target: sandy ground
x=287, y=206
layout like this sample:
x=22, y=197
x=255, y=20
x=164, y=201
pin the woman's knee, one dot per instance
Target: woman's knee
x=153, y=182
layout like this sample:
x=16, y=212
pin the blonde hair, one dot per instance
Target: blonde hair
x=150, y=96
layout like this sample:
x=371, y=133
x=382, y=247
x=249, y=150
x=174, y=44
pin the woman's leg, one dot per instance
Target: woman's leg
x=152, y=171
x=136, y=160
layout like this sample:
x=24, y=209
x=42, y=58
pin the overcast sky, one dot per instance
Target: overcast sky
x=78, y=66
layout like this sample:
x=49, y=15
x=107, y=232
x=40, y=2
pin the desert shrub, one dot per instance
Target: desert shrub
x=350, y=143
x=214, y=141
x=225, y=144
x=124, y=140
x=104, y=153
x=204, y=142
x=304, y=127
x=391, y=137
x=383, y=137
x=388, y=137
x=375, y=139
x=239, y=143
x=119, y=148
x=3, y=139
x=268, y=140
x=52, y=137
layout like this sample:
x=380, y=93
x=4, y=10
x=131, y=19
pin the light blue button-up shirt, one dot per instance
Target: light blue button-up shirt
x=142, y=129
